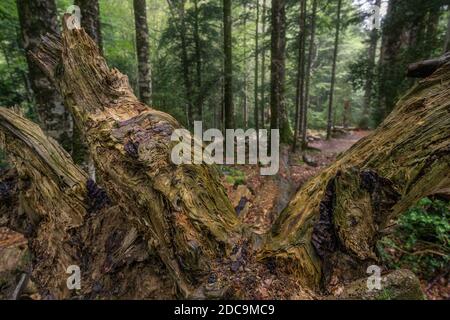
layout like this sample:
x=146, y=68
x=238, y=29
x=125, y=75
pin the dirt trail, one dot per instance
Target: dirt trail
x=337, y=145
x=266, y=196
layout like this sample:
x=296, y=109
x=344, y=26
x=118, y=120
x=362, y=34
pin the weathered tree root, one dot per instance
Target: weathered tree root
x=324, y=238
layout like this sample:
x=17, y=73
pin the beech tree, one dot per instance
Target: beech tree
x=278, y=113
x=333, y=70
x=228, y=66
x=142, y=47
x=37, y=17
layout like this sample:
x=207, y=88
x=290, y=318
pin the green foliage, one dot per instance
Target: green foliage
x=117, y=23
x=234, y=176
x=386, y=294
x=13, y=68
x=421, y=240
x=428, y=221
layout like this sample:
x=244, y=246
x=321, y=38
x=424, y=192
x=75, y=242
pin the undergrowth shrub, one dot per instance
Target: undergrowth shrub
x=421, y=240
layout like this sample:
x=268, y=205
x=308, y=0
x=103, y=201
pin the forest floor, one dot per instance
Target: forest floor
x=258, y=200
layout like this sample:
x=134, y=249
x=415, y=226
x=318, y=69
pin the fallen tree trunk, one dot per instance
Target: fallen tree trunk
x=426, y=68
x=183, y=211
x=68, y=221
x=325, y=236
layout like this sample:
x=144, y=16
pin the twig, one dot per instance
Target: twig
x=20, y=286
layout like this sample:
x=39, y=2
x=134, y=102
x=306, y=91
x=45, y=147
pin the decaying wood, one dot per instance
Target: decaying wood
x=327, y=233
x=423, y=69
x=179, y=217
x=68, y=220
x=182, y=210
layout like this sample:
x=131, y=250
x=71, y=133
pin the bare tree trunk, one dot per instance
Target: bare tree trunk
x=304, y=124
x=368, y=86
x=279, y=119
x=447, y=37
x=189, y=232
x=143, y=51
x=300, y=92
x=256, y=88
x=228, y=65
x=68, y=220
x=38, y=17
x=245, y=104
x=185, y=63
x=181, y=27
x=179, y=214
x=90, y=20
x=198, y=61
x=263, y=65
x=333, y=70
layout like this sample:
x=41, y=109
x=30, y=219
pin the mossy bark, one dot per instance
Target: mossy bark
x=328, y=231
x=182, y=210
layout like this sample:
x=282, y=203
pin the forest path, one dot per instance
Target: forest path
x=259, y=199
x=338, y=145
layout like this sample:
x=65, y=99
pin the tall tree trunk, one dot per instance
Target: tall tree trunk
x=198, y=62
x=222, y=85
x=333, y=70
x=90, y=20
x=263, y=65
x=279, y=119
x=401, y=39
x=256, y=88
x=447, y=37
x=180, y=214
x=346, y=113
x=245, y=104
x=432, y=29
x=185, y=63
x=228, y=65
x=387, y=53
x=143, y=51
x=368, y=86
x=304, y=124
x=37, y=17
x=300, y=92
x=178, y=14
